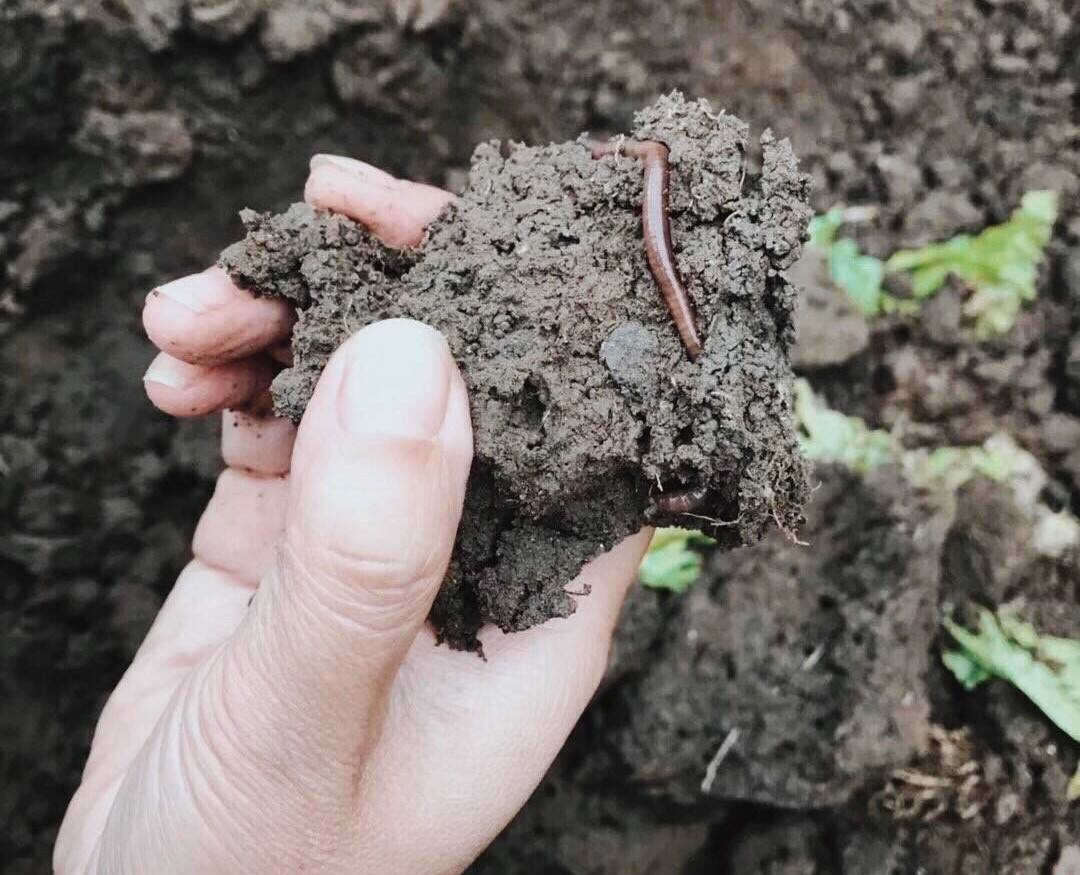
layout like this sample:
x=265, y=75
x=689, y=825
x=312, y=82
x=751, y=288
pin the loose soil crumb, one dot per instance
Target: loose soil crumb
x=585, y=405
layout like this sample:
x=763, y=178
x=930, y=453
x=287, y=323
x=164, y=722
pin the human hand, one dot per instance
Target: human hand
x=319, y=728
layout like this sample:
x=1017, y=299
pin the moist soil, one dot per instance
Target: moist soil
x=537, y=277
x=132, y=133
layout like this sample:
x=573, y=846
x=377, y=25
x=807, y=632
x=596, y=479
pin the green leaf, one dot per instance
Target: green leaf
x=966, y=670
x=823, y=228
x=1043, y=668
x=858, y=275
x=1040, y=207
x=903, y=306
x=928, y=279
x=954, y=466
x=999, y=265
x=671, y=562
x=829, y=436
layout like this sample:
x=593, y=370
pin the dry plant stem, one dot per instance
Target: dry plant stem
x=656, y=227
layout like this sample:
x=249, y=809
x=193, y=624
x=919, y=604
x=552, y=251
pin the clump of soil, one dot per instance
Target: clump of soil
x=791, y=672
x=585, y=406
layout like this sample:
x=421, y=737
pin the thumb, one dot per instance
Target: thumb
x=257, y=762
x=378, y=481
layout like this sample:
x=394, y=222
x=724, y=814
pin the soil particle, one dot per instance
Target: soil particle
x=138, y=147
x=295, y=29
x=630, y=353
x=538, y=279
x=786, y=846
x=155, y=21
x=223, y=19
x=421, y=15
x=46, y=244
x=365, y=63
x=989, y=543
x=869, y=850
x=571, y=829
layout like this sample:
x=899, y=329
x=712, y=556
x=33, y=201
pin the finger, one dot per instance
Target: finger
x=394, y=210
x=500, y=722
x=204, y=319
x=378, y=476
x=260, y=444
x=233, y=541
x=281, y=353
x=182, y=389
x=241, y=525
x=205, y=606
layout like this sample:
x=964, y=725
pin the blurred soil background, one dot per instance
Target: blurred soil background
x=131, y=133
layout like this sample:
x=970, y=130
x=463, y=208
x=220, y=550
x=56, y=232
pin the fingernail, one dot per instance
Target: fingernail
x=339, y=161
x=167, y=371
x=397, y=380
x=351, y=165
x=198, y=292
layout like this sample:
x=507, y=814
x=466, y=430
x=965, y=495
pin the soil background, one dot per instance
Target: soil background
x=132, y=131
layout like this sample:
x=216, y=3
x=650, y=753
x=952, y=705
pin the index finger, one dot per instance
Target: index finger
x=394, y=210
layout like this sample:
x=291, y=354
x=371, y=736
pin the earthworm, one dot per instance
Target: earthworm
x=656, y=227
x=683, y=501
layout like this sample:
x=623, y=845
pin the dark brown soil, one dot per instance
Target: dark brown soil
x=794, y=700
x=129, y=139
x=815, y=659
x=538, y=278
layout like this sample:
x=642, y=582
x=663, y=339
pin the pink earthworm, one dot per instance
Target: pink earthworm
x=683, y=501
x=656, y=227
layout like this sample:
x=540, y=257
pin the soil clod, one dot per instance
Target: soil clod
x=586, y=408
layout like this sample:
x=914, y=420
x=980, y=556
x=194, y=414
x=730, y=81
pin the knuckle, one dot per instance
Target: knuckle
x=373, y=592
x=358, y=566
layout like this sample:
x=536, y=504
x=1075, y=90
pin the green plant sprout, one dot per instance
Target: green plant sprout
x=1044, y=668
x=861, y=276
x=1000, y=264
x=826, y=435
x=671, y=561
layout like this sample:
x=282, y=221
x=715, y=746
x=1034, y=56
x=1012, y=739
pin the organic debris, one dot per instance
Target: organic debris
x=1044, y=668
x=947, y=780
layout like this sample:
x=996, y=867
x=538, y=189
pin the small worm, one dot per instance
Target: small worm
x=656, y=227
x=683, y=501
